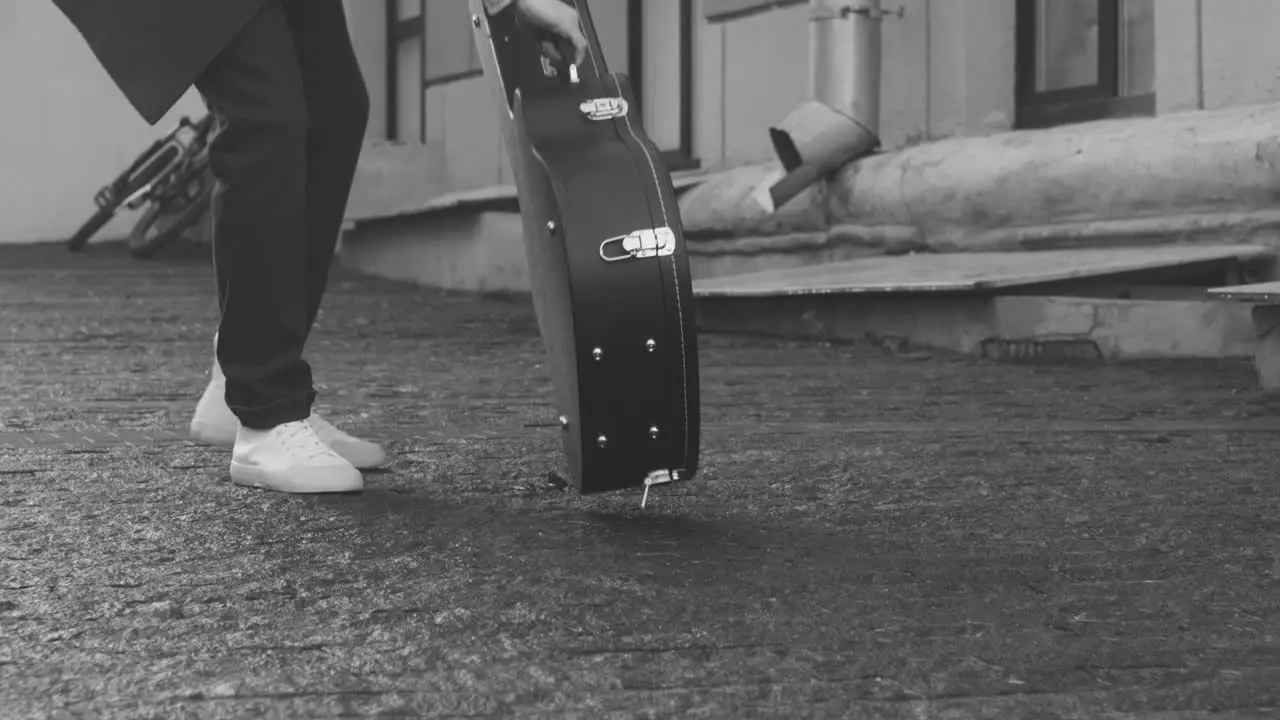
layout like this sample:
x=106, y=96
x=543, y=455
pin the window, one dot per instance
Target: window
x=430, y=43
x=405, y=69
x=1084, y=60
x=660, y=65
x=451, y=45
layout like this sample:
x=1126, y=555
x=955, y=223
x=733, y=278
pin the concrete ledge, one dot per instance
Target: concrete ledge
x=957, y=322
x=967, y=323
x=1266, y=359
x=1184, y=177
x=1131, y=329
x=1165, y=172
x=766, y=254
x=1190, y=176
x=393, y=176
x=724, y=205
x=457, y=251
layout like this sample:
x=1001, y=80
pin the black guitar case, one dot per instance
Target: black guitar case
x=607, y=264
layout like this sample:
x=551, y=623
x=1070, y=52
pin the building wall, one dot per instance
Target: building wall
x=461, y=116
x=948, y=70
x=66, y=129
x=1213, y=54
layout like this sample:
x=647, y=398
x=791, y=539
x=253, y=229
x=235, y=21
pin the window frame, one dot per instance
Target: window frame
x=680, y=157
x=407, y=29
x=1035, y=109
x=398, y=31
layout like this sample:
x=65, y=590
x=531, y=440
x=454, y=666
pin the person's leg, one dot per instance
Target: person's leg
x=337, y=104
x=261, y=256
x=260, y=250
x=338, y=107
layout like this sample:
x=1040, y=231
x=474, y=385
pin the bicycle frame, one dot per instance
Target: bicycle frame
x=160, y=160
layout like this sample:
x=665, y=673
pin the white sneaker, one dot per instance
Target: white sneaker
x=361, y=453
x=214, y=424
x=291, y=458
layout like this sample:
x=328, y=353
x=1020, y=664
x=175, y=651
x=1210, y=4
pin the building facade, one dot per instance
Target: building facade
x=711, y=76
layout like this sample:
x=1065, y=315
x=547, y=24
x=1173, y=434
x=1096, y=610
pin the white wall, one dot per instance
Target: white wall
x=461, y=117
x=66, y=129
x=1216, y=54
x=367, y=22
x=947, y=70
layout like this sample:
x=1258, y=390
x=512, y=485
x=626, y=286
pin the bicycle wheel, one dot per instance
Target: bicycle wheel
x=163, y=223
x=89, y=229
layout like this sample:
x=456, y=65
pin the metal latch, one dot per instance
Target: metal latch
x=647, y=243
x=657, y=477
x=604, y=108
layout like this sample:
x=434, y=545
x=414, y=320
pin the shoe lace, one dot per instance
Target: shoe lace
x=301, y=437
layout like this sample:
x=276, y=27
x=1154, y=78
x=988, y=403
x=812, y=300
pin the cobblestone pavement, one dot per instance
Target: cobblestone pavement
x=874, y=534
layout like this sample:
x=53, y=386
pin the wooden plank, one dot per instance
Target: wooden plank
x=965, y=272
x=1257, y=292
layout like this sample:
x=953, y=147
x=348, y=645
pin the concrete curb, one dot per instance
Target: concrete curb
x=481, y=252
x=1112, y=330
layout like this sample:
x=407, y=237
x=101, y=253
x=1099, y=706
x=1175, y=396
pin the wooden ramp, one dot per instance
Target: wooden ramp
x=1267, y=292
x=967, y=272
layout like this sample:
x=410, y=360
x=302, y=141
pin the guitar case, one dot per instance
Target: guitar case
x=607, y=265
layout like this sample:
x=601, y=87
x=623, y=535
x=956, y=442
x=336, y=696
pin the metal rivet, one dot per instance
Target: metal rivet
x=551, y=226
x=653, y=432
x=597, y=353
x=602, y=442
x=650, y=345
x=475, y=20
x=564, y=421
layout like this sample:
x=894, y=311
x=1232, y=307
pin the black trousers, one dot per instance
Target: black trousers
x=294, y=106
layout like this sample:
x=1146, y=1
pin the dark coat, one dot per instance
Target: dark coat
x=155, y=49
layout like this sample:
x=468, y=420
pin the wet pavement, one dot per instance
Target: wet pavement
x=875, y=533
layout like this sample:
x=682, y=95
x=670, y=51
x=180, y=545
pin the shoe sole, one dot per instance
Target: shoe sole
x=329, y=480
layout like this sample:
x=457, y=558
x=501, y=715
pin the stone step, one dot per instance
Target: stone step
x=970, y=272
x=1060, y=305
x=1265, y=315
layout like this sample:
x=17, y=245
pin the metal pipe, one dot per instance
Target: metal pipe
x=867, y=21
x=831, y=60
x=1199, y=54
x=845, y=57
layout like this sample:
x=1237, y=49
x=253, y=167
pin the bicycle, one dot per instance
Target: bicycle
x=171, y=177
